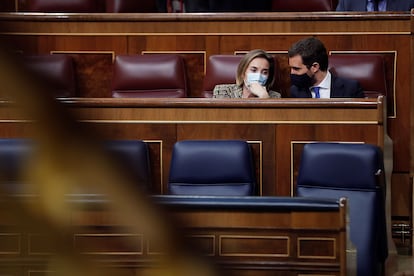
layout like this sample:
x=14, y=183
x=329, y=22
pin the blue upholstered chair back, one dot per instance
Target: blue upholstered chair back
x=132, y=156
x=212, y=167
x=355, y=171
x=14, y=158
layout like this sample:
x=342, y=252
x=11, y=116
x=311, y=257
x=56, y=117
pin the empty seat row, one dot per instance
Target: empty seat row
x=225, y=168
x=149, y=76
x=217, y=167
x=165, y=75
x=17, y=155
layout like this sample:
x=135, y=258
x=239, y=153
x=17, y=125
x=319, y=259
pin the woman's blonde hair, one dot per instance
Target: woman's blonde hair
x=244, y=64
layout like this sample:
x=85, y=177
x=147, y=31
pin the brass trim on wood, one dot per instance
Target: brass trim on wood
x=18, y=245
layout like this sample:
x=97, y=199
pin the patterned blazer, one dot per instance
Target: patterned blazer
x=235, y=91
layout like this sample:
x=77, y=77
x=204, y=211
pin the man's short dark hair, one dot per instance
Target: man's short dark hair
x=311, y=50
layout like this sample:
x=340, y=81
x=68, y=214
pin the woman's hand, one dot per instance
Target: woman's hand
x=256, y=89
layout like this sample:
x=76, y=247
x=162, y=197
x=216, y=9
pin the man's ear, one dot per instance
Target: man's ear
x=315, y=67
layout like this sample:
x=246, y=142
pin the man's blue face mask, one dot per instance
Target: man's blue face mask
x=256, y=77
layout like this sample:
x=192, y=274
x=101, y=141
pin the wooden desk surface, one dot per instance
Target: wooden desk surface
x=247, y=111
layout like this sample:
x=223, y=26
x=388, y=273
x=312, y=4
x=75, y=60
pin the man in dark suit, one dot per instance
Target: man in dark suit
x=375, y=5
x=310, y=78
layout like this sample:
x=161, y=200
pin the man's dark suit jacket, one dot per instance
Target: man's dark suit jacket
x=340, y=88
x=361, y=5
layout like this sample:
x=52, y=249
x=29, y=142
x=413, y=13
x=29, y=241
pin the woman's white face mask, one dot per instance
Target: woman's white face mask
x=256, y=77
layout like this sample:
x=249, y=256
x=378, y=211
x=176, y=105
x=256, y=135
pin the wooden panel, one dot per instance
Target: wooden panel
x=108, y=244
x=402, y=187
x=10, y=244
x=93, y=72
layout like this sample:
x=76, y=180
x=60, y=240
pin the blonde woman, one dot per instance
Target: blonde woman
x=254, y=78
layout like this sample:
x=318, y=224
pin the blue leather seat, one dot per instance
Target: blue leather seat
x=14, y=157
x=355, y=171
x=212, y=167
x=133, y=157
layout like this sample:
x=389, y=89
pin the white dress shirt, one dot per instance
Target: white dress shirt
x=324, y=87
